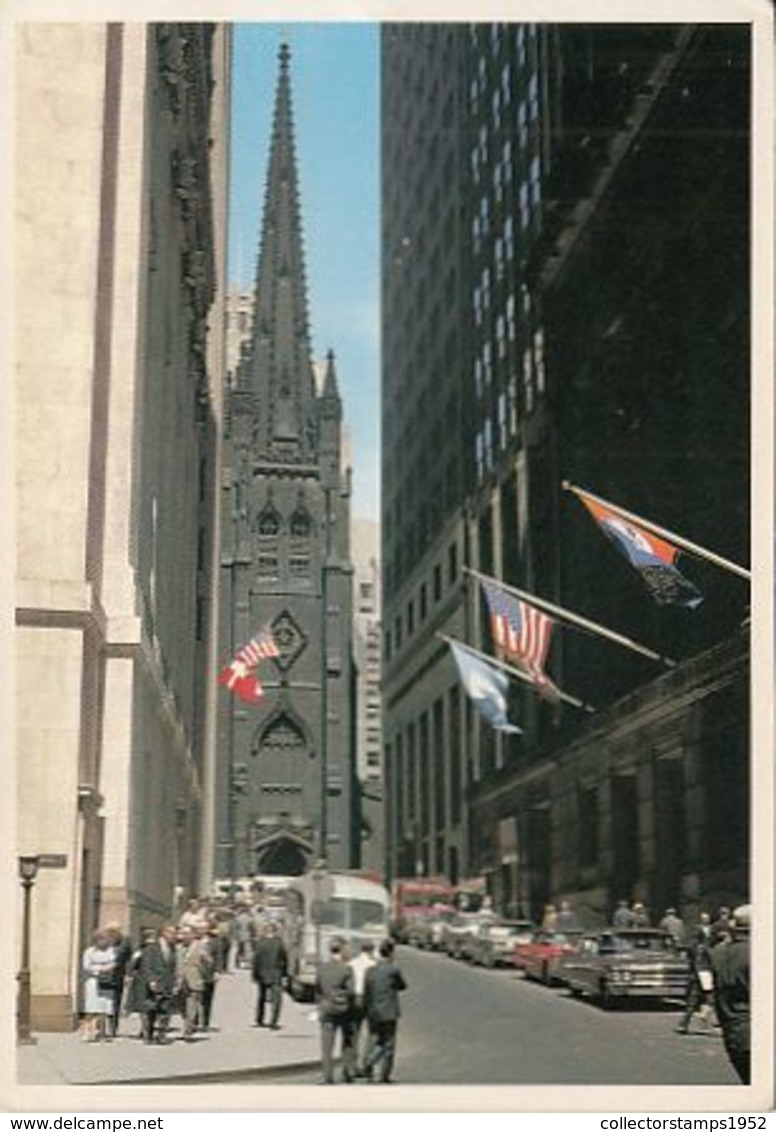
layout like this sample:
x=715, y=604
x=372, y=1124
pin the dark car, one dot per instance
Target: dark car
x=632, y=963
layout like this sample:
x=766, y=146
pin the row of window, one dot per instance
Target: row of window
x=268, y=567
x=405, y=625
x=270, y=523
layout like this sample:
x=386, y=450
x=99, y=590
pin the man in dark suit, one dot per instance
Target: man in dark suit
x=382, y=986
x=269, y=969
x=157, y=975
x=730, y=963
x=335, y=995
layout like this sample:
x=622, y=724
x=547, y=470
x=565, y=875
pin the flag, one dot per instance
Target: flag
x=523, y=634
x=486, y=687
x=243, y=683
x=653, y=557
x=238, y=676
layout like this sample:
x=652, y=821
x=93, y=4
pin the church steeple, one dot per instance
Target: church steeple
x=278, y=366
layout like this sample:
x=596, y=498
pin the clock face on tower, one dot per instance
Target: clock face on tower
x=289, y=638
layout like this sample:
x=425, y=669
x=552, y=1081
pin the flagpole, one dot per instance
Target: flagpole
x=576, y=619
x=513, y=671
x=662, y=532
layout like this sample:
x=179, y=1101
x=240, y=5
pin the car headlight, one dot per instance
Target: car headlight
x=621, y=976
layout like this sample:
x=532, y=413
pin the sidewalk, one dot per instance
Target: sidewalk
x=233, y=1048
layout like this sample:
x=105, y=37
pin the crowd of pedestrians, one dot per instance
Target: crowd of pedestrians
x=173, y=973
x=174, y=970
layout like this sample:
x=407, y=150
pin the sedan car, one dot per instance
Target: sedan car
x=430, y=931
x=494, y=945
x=631, y=963
x=540, y=957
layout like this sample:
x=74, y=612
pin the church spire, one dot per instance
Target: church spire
x=278, y=366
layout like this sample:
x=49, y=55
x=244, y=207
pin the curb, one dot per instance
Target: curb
x=215, y=1076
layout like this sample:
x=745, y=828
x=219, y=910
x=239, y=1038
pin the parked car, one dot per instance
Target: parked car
x=455, y=933
x=631, y=963
x=540, y=957
x=429, y=931
x=470, y=938
x=494, y=944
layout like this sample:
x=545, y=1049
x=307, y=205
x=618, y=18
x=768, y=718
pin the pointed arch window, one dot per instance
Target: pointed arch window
x=268, y=523
x=283, y=732
x=301, y=524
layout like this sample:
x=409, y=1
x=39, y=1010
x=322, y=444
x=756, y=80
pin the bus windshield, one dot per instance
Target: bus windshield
x=353, y=914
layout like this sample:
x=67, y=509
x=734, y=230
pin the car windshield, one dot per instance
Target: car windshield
x=513, y=928
x=638, y=941
x=353, y=914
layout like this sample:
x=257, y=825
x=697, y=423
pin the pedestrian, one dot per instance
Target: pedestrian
x=244, y=934
x=193, y=965
x=135, y=996
x=213, y=942
x=123, y=945
x=700, y=979
x=730, y=964
x=334, y=993
x=269, y=967
x=382, y=986
x=98, y=965
x=673, y=923
x=623, y=917
x=549, y=918
x=157, y=973
x=360, y=965
x=194, y=915
x=640, y=916
x=721, y=928
x=566, y=919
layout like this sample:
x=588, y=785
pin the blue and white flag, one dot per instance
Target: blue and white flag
x=486, y=687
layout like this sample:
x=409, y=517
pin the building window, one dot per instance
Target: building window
x=301, y=524
x=539, y=360
x=423, y=602
x=299, y=566
x=452, y=563
x=267, y=566
x=437, y=583
x=410, y=618
x=268, y=524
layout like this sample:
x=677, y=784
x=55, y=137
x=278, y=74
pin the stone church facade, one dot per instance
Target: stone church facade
x=285, y=765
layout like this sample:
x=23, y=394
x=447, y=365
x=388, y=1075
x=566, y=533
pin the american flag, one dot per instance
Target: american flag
x=523, y=634
x=260, y=646
x=238, y=676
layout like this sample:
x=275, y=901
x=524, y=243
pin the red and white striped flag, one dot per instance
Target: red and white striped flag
x=523, y=633
x=238, y=676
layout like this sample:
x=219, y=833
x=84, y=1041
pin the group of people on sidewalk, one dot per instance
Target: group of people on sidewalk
x=358, y=998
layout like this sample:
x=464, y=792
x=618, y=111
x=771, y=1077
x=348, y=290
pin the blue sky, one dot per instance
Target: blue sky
x=334, y=83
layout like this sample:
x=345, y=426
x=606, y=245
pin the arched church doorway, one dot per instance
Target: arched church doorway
x=282, y=858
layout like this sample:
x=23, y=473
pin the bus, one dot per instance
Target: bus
x=318, y=909
x=415, y=899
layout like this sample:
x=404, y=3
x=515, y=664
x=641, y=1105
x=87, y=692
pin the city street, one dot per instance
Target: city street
x=466, y=1025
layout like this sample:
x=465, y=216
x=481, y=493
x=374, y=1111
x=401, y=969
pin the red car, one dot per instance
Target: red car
x=539, y=958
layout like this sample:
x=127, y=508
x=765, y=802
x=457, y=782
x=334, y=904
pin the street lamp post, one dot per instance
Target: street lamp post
x=28, y=870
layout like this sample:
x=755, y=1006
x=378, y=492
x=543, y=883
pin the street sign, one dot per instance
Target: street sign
x=52, y=860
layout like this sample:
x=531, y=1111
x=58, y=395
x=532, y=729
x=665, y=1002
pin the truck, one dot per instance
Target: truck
x=413, y=900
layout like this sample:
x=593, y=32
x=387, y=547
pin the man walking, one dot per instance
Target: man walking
x=363, y=962
x=334, y=991
x=382, y=986
x=730, y=962
x=269, y=966
x=195, y=965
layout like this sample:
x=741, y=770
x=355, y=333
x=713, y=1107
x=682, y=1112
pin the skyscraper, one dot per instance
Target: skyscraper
x=285, y=782
x=546, y=315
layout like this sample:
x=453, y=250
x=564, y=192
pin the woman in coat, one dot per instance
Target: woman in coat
x=98, y=966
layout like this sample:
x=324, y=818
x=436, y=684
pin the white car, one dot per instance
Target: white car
x=494, y=944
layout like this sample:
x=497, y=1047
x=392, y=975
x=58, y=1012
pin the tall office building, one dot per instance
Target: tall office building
x=565, y=257
x=367, y=642
x=285, y=776
x=120, y=189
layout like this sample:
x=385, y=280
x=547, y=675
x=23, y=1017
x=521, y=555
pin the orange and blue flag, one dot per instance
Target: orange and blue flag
x=653, y=557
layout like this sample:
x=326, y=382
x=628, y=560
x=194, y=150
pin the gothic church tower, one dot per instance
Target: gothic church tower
x=286, y=763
